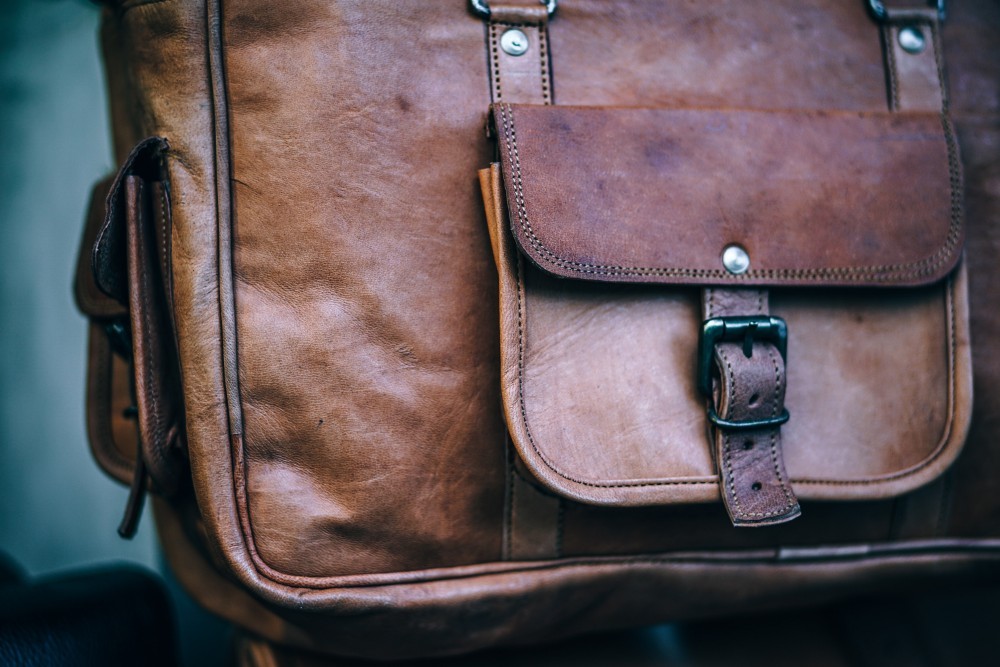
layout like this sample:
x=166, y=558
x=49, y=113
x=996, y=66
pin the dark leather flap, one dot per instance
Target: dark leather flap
x=656, y=195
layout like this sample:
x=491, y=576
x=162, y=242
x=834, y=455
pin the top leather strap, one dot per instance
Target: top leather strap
x=519, y=54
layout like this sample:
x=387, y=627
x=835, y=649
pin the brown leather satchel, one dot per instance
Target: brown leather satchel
x=696, y=342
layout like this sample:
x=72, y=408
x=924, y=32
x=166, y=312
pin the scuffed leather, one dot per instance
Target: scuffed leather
x=656, y=195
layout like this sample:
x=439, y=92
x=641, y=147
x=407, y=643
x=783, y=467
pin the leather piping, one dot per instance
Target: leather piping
x=928, y=266
x=327, y=587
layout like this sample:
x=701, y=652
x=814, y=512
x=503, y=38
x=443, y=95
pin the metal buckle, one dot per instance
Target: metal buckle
x=745, y=329
x=482, y=7
x=878, y=10
x=749, y=425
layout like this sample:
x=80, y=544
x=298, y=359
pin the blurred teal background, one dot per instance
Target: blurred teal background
x=57, y=509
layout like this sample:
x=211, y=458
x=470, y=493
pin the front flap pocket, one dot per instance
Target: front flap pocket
x=614, y=232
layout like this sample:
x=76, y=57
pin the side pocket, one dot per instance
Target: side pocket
x=111, y=432
x=126, y=293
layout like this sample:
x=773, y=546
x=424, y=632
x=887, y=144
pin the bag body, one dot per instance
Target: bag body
x=415, y=308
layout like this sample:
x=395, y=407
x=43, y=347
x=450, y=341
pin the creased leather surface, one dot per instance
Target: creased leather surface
x=348, y=154
x=655, y=195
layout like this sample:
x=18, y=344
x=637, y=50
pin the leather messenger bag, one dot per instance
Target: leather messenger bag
x=434, y=326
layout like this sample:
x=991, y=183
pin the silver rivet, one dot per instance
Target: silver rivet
x=735, y=259
x=911, y=39
x=514, y=42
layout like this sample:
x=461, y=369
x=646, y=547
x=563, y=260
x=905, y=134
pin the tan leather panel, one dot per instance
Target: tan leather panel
x=595, y=412
x=366, y=374
x=634, y=195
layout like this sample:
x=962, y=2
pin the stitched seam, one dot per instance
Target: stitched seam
x=543, y=52
x=879, y=273
x=772, y=558
x=150, y=447
x=165, y=226
x=521, y=306
x=494, y=61
x=890, y=65
x=727, y=459
x=776, y=431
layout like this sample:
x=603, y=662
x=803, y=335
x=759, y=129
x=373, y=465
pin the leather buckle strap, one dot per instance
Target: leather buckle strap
x=746, y=404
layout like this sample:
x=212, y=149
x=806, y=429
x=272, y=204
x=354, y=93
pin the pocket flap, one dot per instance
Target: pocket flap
x=656, y=195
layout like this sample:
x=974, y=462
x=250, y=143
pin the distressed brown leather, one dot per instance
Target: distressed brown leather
x=338, y=329
x=655, y=195
x=580, y=422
